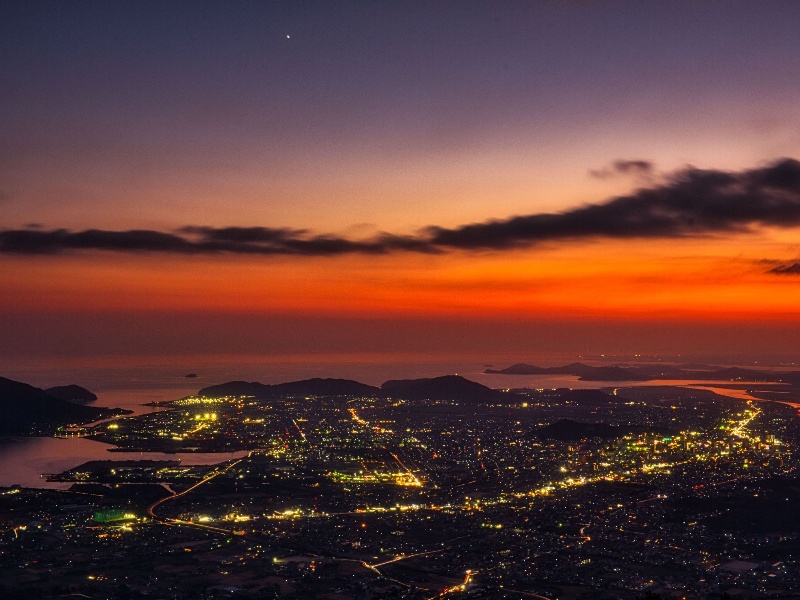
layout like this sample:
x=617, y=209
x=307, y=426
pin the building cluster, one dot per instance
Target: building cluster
x=684, y=496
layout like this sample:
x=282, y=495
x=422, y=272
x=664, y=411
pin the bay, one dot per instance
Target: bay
x=25, y=461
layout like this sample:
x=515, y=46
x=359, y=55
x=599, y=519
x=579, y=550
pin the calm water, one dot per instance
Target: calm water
x=24, y=460
x=131, y=383
x=166, y=375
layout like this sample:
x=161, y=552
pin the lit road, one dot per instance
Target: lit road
x=300, y=431
x=374, y=566
x=456, y=588
x=206, y=479
x=739, y=429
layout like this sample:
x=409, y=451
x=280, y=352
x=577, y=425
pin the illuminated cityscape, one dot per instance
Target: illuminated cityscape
x=672, y=491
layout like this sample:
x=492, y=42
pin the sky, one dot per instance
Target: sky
x=353, y=177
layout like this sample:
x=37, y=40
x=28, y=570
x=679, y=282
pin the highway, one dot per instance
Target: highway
x=206, y=479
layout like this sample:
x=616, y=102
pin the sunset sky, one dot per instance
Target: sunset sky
x=300, y=177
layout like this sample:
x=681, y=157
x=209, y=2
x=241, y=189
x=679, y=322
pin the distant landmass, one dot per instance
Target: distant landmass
x=307, y=387
x=455, y=387
x=448, y=387
x=72, y=393
x=651, y=372
x=30, y=410
x=612, y=373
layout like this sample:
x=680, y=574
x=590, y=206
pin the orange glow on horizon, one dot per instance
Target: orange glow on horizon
x=690, y=279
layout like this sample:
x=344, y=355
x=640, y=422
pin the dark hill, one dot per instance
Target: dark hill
x=575, y=368
x=583, y=371
x=448, y=387
x=72, y=393
x=236, y=388
x=26, y=409
x=525, y=369
x=307, y=387
x=326, y=387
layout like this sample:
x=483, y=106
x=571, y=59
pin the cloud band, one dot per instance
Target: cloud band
x=689, y=202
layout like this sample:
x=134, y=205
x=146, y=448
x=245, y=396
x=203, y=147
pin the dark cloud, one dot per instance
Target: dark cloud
x=203, y=240
x=792, y=269
x=244, y=234
x=633, y=166
x=690, y=202
x=641, y=168
x=33, y=241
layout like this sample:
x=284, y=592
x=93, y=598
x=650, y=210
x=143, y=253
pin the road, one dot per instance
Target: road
x=206, y=479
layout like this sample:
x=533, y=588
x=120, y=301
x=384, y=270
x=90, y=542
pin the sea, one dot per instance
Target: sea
x=133, y=382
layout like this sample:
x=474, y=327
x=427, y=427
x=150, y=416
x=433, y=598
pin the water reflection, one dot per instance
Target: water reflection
x=24, y=460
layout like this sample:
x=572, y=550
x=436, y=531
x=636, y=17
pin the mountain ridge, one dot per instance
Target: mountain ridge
x=446, y=387
x=30, y=410
x=72, y=393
